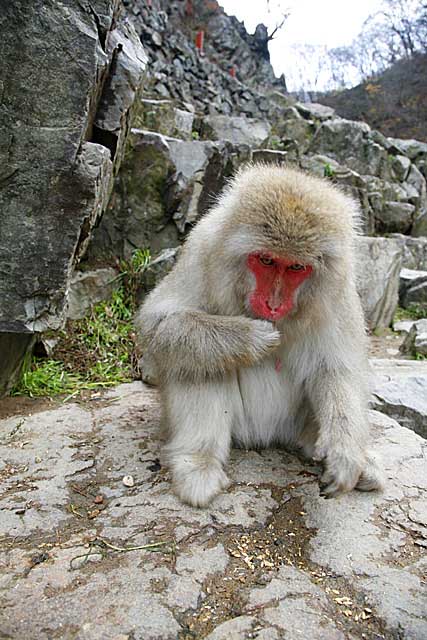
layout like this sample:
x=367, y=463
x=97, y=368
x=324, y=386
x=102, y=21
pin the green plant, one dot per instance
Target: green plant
x=131, y=272
x=413, y=312
x=46, y=378
x=96, y=351
x=328, y=172
x=195, y=135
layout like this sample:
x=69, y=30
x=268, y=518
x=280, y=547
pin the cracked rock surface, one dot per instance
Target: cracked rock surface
x=268, y=559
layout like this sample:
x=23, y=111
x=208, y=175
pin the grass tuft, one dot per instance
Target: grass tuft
x=96, y=351
x=412, y=312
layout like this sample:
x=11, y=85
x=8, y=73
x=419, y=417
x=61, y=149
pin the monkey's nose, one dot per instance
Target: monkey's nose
x=275, y=299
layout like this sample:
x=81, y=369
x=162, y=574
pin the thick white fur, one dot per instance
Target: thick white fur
x=217, y=363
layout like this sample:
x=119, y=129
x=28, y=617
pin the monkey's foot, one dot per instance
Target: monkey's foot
x=197, y=480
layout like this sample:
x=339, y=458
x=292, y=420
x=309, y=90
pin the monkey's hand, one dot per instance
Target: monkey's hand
x=342, y=470
x=263, y=339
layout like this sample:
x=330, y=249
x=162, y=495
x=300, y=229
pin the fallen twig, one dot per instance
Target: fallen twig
x=104, y=545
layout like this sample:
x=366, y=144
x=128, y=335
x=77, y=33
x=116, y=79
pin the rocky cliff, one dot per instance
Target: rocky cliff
x=120, y=131
x=70, y=75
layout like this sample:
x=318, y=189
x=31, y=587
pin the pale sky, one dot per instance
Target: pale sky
x=323, y=22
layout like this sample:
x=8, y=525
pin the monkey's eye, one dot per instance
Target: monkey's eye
x=296, y=267
x=266, y=260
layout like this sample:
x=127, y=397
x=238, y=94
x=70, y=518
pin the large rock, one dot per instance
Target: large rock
x=395, y=217
x=269, y=557
x=238, y=130
x=350, y=181
x=413, y=288
x=137, y=216
x=378, y=267
x=295, y=130
x=164, y=117
x=415, y=185
x=411, y=148
x=351, y=144
x=414, y=252
x=399, y=389
x=15, y=349
x=164, y=186
x=69, y=76
x=89, y=287
x=315, y=110
x=415, y=342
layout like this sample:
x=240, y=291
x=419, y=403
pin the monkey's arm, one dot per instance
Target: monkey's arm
x=339, y=403
x=196, y=346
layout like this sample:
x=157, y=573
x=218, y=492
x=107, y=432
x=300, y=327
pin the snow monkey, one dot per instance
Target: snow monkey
x=258, y=335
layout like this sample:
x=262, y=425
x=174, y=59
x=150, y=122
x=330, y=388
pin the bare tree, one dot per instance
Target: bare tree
x=397, y=30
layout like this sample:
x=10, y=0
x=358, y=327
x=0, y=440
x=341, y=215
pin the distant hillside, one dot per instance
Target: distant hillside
x=395, y=102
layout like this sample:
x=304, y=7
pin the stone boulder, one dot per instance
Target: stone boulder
x=351, y=144
x=413, y=288
x=413, y=149
x=315, y=111
x=237, y=130
x=395, y=217
x=89, y=287
x=350, y=181
x=163, y=116
x=415, y=342
x=164, y=186
x=403, y=326
x=399, y=389
x=70, y=75
x=295, y=132
x=414, y=252
x=159, y=267
x=378, y=267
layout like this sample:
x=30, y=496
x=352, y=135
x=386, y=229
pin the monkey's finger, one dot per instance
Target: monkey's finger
x=330, y=491
x=334, y=484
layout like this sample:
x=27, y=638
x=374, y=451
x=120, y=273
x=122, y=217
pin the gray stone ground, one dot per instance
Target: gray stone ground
x=269, y=559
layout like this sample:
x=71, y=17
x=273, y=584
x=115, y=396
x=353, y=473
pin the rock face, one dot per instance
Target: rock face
x=413, y=288
x=269, y=557
x=399, y=389
x=379, y=261
x=70, y=75
x=414, y=252
x=164, y=186
x=232, y=76
x=238, y=130
x=415, y=342
x=88, y=288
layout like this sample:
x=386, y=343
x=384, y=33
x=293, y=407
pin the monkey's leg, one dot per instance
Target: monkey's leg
x=199, y=418
x=339, y=406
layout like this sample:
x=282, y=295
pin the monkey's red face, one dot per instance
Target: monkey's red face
x=277, y=281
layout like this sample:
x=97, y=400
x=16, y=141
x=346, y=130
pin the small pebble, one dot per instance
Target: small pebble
x=128, y=481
